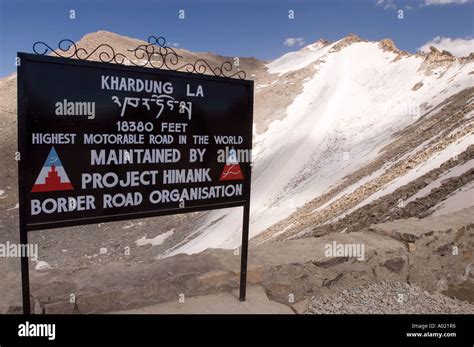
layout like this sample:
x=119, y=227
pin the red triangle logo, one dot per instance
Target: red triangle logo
x=52, y=176
x=231, y=169
x=231, y=172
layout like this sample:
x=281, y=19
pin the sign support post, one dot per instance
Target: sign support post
x=25, y=271
x=22, y=209
x=244, y=251
x=245, y=231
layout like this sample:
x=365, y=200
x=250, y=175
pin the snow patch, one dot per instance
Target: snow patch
x=453, y=172
x=131, y=225
x=456, y=201
x=297, y=60
x=14, y=207
x=155, y=241
x=42, y=265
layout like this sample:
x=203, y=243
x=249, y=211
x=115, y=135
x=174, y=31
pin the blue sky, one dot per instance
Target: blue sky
x=256, y=28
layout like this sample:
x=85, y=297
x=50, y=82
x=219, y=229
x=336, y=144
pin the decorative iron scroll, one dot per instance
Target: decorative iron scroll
x=154, y=54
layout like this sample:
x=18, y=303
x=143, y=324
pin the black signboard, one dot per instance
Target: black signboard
x=102, y=142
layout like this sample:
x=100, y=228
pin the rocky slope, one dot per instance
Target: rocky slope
x=433, y=253
x=387, y=298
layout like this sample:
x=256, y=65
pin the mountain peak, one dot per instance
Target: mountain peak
x=437, y=56
x=317, y=45
x=388, y=45
x=436, y=51
x=115, y=40
x=346, y=41
x=352, y=38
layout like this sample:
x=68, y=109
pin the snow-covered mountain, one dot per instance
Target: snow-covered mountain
x=346, y=134
x=353, y=99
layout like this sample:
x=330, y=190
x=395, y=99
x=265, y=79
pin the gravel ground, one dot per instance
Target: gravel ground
x=387, y=297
